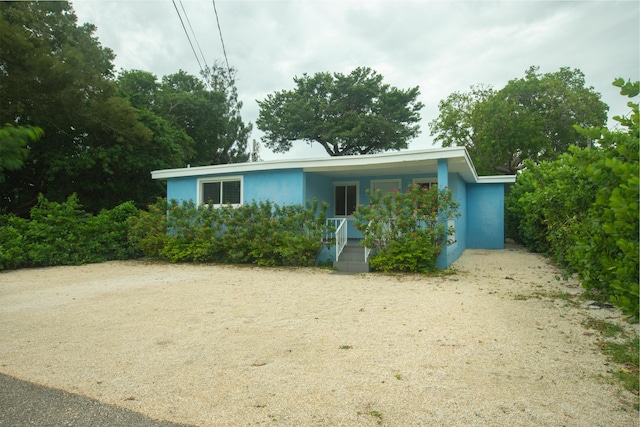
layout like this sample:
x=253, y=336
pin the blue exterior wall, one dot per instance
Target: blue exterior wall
x=182, y=188
x=459, y=192
x=319, y=187
x=485, y=219
x=281, y=187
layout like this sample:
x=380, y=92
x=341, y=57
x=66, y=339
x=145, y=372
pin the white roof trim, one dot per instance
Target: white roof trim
x=496, y=179
x=332, y=163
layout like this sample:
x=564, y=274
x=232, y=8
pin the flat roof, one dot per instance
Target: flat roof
x=389, y=163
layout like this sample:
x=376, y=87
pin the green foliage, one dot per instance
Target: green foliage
x=101, y=133
x=13, y=146
x=530, y=118
x=148, y=229
x=261, y=233
x=345, y=114
x=64, y=234
x=406, y=230
x=582, y=210
x=13, y=242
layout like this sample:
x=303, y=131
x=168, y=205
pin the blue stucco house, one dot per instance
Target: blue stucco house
x=342, y=183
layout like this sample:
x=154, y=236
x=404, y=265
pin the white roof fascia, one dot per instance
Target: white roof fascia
x=339, y=162
x=321, y=164
x=497, y=179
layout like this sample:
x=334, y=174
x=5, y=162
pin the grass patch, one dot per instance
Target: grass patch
x=373, y=413
x=607, y=329
x=345, y=347
x=622, y=349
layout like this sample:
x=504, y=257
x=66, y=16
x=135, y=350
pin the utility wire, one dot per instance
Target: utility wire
x=224, y=51
x=194, y=34
x=188, y=38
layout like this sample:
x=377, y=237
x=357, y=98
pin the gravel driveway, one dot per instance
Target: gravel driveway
x=215, y=345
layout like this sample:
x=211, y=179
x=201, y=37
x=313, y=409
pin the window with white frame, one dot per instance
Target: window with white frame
x=220, y=191
x=346, y=198
x=386, y=185
x=426, y=183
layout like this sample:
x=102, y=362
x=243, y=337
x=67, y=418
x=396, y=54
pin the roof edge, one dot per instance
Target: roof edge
x=310, y=163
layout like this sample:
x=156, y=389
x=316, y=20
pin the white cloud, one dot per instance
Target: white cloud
x=440, y=46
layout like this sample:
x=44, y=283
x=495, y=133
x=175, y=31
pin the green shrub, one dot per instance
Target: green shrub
x=13, y=242
x=261, y=233
x=64, y=234
x=582, y=210
x=406, y=230
x=147, y=231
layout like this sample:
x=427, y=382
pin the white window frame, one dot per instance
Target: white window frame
x=376, y=183
x=344, y=184
x=202, y=181
x=427, y=180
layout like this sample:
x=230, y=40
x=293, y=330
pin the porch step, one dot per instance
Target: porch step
x=352, y=266
x=352, y=259
x=352, y=252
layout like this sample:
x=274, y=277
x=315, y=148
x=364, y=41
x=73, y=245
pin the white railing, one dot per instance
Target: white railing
x=367, y=251
x=340, y=233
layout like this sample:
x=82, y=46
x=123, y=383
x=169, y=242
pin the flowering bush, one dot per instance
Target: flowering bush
x=406, y=230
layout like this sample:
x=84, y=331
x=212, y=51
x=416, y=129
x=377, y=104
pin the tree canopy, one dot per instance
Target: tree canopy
x=530, y=118
x=346, y=114
x=103, y=133
x=13, y=143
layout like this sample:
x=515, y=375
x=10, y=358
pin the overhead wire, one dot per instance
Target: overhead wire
x=188, y=38
x=194, y=34
x=224, y=51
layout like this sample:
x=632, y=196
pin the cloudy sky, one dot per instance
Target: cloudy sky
x=440, y=46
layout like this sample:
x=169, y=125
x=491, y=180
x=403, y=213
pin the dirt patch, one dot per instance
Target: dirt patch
x=225, y=345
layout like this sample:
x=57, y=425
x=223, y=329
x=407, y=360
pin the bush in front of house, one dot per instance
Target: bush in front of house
x=262, y=233
x=407, y=230
x=64, y=234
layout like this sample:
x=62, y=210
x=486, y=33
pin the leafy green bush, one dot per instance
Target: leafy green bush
x=148, y=229
x=64, y=234
x=13, y=242
x=406, y=230
x=261, y=233
x=582, y=210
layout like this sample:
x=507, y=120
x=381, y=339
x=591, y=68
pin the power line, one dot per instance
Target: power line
x=194, y=35
x=188, y=38
x=224, y=51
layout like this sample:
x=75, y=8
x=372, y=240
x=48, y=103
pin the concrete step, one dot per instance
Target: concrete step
x=351, y=266
x=352, y=253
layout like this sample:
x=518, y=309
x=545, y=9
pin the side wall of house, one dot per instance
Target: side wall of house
x=485, y=219
x=459, y=192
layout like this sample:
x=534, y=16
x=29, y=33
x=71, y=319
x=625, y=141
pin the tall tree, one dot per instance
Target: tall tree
x=209, y=112
x=54, y=74
x=13, y=143
x=346, y=114
x=530, y=118
x=203, y=114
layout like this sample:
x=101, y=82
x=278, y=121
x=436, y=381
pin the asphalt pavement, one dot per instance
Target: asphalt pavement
x=27, y=404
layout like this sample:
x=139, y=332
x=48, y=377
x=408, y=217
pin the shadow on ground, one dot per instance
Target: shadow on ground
x=25, y=404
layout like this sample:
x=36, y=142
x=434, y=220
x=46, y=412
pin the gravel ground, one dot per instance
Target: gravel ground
x=223, y=345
